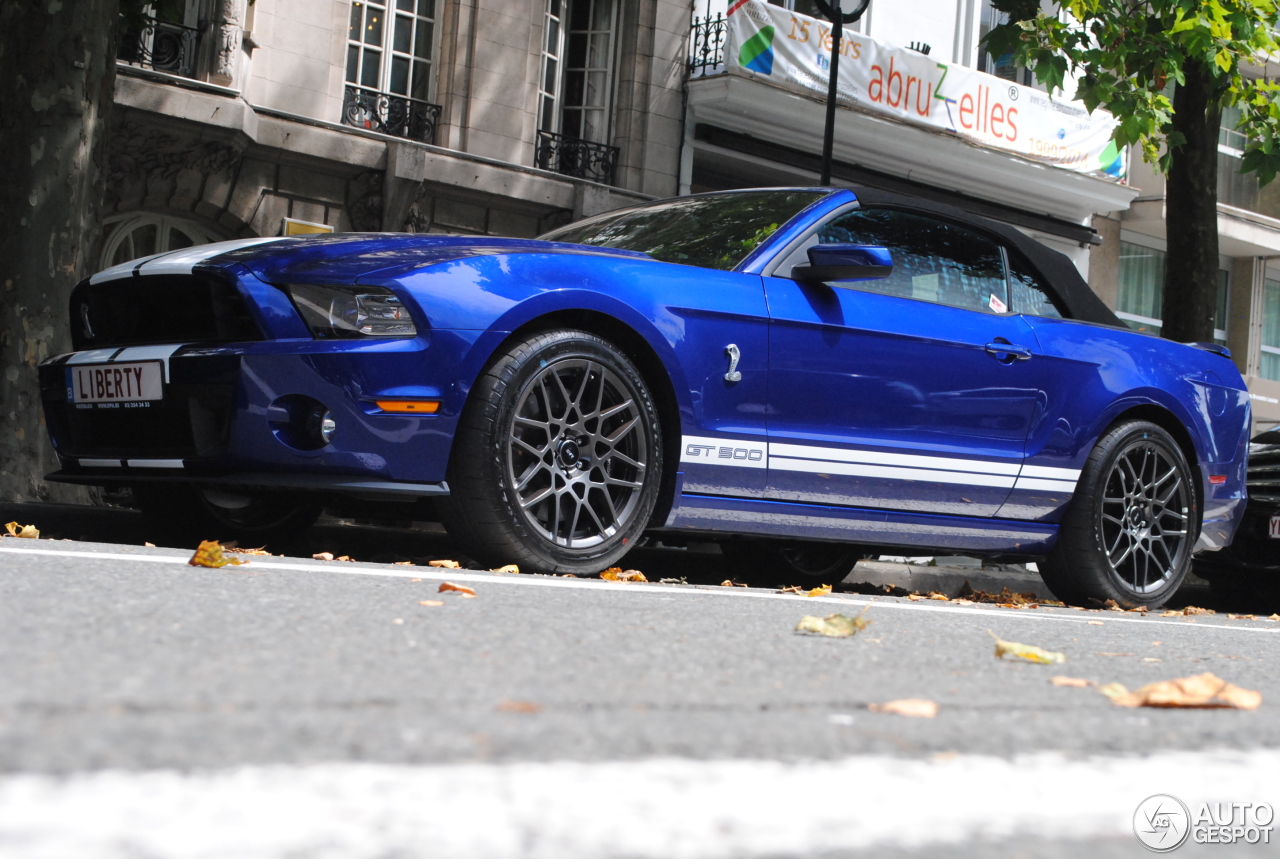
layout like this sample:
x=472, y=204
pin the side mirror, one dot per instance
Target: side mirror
x=829, y=263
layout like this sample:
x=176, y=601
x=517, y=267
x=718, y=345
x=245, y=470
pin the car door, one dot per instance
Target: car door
x=912, y=392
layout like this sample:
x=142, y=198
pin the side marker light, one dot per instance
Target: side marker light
x=409, y=407
x=1217, y=478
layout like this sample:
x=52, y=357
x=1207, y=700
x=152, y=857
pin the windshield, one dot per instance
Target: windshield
x=711, y=231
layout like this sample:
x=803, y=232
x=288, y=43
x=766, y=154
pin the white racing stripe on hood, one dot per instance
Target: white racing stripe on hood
x=177, y=262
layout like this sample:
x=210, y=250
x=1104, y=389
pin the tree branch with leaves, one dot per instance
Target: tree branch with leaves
x=1123, y=57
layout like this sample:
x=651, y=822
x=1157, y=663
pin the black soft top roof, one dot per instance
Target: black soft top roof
x=1058, y=272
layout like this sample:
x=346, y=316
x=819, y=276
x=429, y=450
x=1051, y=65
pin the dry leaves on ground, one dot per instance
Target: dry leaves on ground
x=509, y=568
x=519, y=707
x=430, y=602
x=794, y=589
x=1274, y=617
x=403, y=563
x=28, y=531
x=462, y=589
x=209, y=554
x=727, y=583
x=448, y=565
x=932, y=595
x=1242, y=617
x=919, y=708
x=322, y=556
x=1200, y=691
x=833, y=625
x=1187, y=612
x=1005, y=599
x=236, y=550
x=1028, y=652
x=617, y=574
x=819, y=591
x=1077, y=682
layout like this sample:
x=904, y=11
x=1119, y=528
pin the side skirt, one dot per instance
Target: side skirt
x=720, y=514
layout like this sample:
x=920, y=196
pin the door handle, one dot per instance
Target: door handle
x=1007, y=353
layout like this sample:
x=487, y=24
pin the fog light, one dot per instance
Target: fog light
x=328, y=426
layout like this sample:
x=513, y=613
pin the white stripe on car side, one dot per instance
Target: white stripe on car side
x=879, y=465
x=177, y=262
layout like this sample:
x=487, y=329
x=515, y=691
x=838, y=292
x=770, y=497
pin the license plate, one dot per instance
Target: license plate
x=116, y=383
x=1275, y=527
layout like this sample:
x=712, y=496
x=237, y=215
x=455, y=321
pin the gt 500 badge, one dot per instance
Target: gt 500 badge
x=722, y=451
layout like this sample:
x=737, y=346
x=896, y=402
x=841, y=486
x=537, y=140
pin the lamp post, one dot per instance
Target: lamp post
x=839, y=13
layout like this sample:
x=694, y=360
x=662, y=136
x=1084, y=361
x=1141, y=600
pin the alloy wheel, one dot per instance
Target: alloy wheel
x=577, y=453
x=1143, y=517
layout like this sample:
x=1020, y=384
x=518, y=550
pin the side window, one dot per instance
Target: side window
x=1027, y=293
x=932, y=260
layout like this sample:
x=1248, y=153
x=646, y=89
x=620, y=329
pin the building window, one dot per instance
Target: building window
x=1141, y=299
x=1002, y=66
x=1269, y=366
x=390, y=57
x=167, y=42
x=575, y=94
x=143, y=235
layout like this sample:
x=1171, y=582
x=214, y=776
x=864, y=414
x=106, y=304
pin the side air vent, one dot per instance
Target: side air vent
x=167, y=308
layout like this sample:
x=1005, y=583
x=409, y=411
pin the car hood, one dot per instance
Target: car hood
x=346, y=257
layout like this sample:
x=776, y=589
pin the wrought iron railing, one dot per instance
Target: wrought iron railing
x=571, y=156
x=397, y=115
x=161, y=45
x=706, y=48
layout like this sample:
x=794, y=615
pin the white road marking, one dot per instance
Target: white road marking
x=662, y=808
x=436, y=573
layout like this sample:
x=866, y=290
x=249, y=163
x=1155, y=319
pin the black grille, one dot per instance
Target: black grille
x=171, y=308
x=1264, y=474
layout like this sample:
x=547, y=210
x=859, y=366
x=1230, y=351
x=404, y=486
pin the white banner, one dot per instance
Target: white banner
x=795, y=50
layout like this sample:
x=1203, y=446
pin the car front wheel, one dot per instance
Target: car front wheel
x=557, y=459
x=1131, y=525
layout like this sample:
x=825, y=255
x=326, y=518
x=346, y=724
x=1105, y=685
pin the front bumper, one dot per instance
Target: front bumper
x=221, y=421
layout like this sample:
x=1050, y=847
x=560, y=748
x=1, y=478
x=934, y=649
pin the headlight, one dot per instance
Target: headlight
x=352, y=311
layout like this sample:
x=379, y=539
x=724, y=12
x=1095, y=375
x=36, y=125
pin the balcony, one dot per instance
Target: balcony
x=397, y=115
x=570, y=156
x=706, y=48
x=1241, y=190
x=162, y=46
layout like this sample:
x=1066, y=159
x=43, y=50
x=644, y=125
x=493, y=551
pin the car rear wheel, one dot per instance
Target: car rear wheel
x=1131, y=525
x=790, y=562
x=557, y=459
x=185, y=515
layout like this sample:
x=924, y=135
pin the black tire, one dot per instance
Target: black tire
x=531, y=457
x=1131, y=525
x=790, y=562
x=184, y=515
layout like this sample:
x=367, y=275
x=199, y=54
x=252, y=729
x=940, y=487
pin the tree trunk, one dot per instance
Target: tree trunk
x=1191, y=211
x=57, y=77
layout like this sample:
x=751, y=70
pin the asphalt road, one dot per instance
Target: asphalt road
x=151, y=708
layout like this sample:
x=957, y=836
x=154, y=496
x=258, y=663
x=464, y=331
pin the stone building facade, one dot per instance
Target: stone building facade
x=510, y=117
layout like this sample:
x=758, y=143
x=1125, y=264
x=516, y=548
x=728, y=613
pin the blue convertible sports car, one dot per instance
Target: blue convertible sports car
x=801, y=374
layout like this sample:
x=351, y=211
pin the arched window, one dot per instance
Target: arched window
x=137, y=236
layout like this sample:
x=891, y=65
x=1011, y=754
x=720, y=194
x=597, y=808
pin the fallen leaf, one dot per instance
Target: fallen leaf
x=1274, y=617
x=415, y=580
x=1171, y=614
x=236, y=550
x=1190, y=610
x=819, y=591
x=615, y=574
x=1077, y=682
x=344, y=558
x=1200, y=691
x=403, y=563
x=519, y=707
x=1095, y=623
x=915, y=707
x=1113, y=690
x=963, y=602
x=1151, y=659
x=794, y=589
x=833, y=625
x=209, y=554
x=1142, y=609
x=462, y=589
x=1053, y=603
x=16, y=530
x=1028, y=652
x=725, y=584
x=1242, y=617
x=448, y=565
x=914, y=597
x=322, y=556
x=940, y=597
x=509, y=568
x=430, y=602
x=1006, y=597
x=1112, y=605
x=149, y=545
